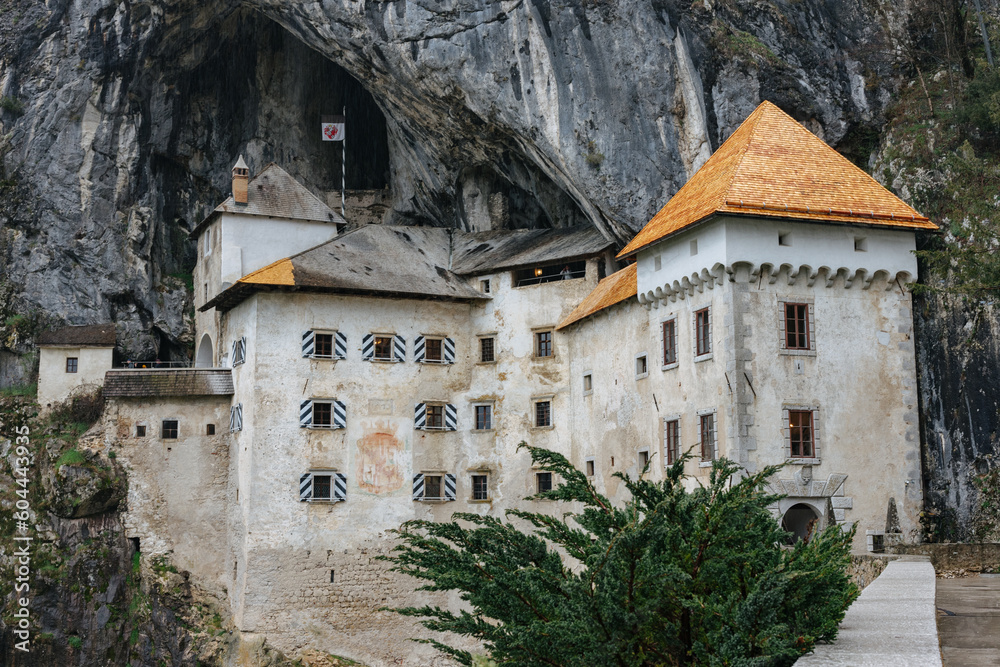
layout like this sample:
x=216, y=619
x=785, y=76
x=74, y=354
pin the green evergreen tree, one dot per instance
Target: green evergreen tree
x=674, y=577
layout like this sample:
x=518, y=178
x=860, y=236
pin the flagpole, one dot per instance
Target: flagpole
x=343, y=165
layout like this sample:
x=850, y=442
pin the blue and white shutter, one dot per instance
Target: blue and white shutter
x=450, y=417
x=340, y=345
x=418, y=349
x=306, y=487
x=449, y=487
x=339, y=486
x=368, y=347
x=398, y=348
x=305, y=414
x=448, y=350
x=420, y=416
x=339, y=414
x=418, y=486
x=308, y=343
x=236, y=418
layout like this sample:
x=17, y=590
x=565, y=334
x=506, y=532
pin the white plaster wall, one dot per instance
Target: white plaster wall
x=251, y=242
x=55, y=384
x=177, y=487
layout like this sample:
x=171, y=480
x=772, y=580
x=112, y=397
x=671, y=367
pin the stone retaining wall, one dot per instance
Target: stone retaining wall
x=954, y=556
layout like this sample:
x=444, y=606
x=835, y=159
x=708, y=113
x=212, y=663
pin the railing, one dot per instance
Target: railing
x=156, y=364
x=569, y=275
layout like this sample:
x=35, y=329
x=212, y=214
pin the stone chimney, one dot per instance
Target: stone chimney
x=241, y=176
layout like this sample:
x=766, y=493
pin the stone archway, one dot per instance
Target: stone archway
x=206, y=356
x=802, y=521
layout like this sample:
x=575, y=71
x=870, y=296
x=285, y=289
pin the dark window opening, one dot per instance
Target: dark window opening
x=383, y=348
x=323, y=345
x=432, y=487
x=432, y=349
x=543, y=344
x=546, y=274
x=590, y=468
x=322, y=414
x=800, y=433
x=435, y=416
x=72, y=363
x=209, y=429
x=543, y=481
x=484, y=417
x=480, y=490
x=703, y=332
x=135, y=545
x=797, y=326
x=487, y=350
x=140, y=430
x=169, y=429
x=543, y=413
x=672, y=440
x=322, y=487
x=801, y=521
x=707, y=437
x=332, y=577
x=670, y=342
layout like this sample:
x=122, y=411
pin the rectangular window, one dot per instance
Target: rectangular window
x=169, y=430
x=543, y=413
x=588, y=383
x=543, y=343
x=323, y=345
x=543, y=482
x=643, y=459
x=322, y=487
x=432, y=487
x=800, y=433
x=708, y=437
x=669, y=342
x=383, y=348
x=590, y=467
x=703, y=332
x=641, y=369
x=487, y=350
x=480, y=489
x=484, y=417
x=432, y=349
x=140, y=431
x=322, y=414
x=72, y=363
x=209, y=429
x=435, y=417
x=484, y=286
x=797, y=326
x=672, y=440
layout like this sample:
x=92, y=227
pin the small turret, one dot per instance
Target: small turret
x=241, y=176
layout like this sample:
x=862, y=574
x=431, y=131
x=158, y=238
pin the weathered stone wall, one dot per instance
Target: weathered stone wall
x=984, y=557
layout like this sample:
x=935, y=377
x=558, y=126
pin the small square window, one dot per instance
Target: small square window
x=169, y=430
x=785, y=239
x=484, y=417
x=543, y=343
x=72, y=364
x=383, y=348
x=641, y=369
x=480, y=488
x=588, y=382
x=543, y=482
x=487, y=350
x=484, y=286
x=432, y=349
x=590, y=467
x=322, y=487
x=323, y=345
x=140, y=430
x=209, y=429
x=322, y=414
x=432, y=487
x=543, y=413
x=435, y=418
x=643, y=459
x=860, y=244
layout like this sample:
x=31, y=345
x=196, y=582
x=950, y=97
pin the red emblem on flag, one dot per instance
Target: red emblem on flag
x=330, y=131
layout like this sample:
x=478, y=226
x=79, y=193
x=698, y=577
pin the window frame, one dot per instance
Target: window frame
x=337, y=482
x=375, y=347
x=783, y=348
x=588, y=383
x=332, y=404
x=539, y=474
x=538, y=346
x=72, y=364
x=703, y=334
x=239, y=353
x=144, y=430
x=176, y=430
x=444, y=481
x=640, y=455
x=670, y=360
x=327, y=342
x=641, y=366
x=536, y=401
x=711, y=415
x=815, y=414
x=490, y=420
x=671, y=439
x=590, y=467
x=484, y=490
x=483, y=338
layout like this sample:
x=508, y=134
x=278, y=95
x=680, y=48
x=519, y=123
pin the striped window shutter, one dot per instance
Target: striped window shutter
x=398, y=348
x=418, y=486
x=339, y=486
x=305, y=413
x=448, y=350
x=368, y=347
x=418, y=348
x=340, y=345
x=450, y=417
x=419, y=416
x=339, y=414
x=449, y=487
x=235, y=359
x=308, y=343
x=243, y=348
x=306, y=487
x=236, y=418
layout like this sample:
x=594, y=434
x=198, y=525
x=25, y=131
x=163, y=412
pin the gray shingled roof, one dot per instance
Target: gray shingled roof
x=168, y=382
x=274, y=193
x=486, y=252
x=93, y=335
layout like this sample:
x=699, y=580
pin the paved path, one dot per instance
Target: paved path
x=969, y=621
x=890, y=625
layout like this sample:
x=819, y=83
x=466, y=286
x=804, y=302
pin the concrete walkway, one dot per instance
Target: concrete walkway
x=969, y=620
x=892, y=624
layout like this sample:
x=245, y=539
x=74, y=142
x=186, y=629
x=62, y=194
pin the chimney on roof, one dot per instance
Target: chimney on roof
x=241, y=176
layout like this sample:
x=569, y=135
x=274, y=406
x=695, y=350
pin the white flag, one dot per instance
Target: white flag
x=333, y=128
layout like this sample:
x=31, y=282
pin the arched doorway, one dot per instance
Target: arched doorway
x=205, y=358
x=801, y=521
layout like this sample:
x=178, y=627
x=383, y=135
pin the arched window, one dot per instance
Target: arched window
x=802, y=521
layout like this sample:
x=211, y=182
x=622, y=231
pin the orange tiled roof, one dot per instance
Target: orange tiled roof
x=278, y=273
x=616, y=288
x=773, y=167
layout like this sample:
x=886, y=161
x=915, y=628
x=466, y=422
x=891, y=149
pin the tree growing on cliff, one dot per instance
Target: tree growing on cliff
x=674, y=577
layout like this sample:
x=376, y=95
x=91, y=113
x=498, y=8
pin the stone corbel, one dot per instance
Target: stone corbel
x=869, y=279
x=813, y=275
x=697, y=283
x=793, y=273
x=719, y=272
x=831, y=276
x=857, y=275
